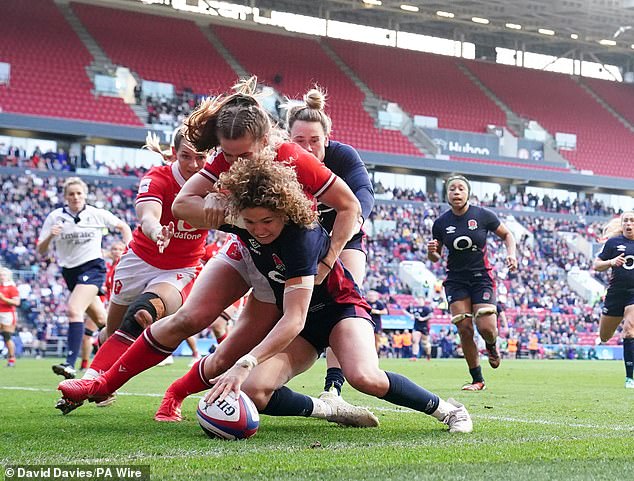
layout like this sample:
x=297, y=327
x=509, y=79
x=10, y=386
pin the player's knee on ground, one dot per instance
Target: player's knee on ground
x=148, y=301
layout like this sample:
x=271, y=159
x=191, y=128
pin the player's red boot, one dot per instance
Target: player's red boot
x=474, y=386
x=76, y=390
x=170, y=409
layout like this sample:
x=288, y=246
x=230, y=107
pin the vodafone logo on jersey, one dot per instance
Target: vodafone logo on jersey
x=185, y=231
x=117, y=286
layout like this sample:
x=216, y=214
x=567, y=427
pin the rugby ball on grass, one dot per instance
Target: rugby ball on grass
x=229, y=419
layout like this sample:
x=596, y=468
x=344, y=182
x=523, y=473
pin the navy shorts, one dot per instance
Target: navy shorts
x=320, y=323
x=91, y=273
x=378, y=324
x=357, y=243
x=616, y=301
x=422, y=327
x=477, y=286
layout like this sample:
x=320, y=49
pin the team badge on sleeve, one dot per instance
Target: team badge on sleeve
x=144, y=186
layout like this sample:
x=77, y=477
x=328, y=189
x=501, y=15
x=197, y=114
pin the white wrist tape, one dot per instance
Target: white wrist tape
x=248, y=361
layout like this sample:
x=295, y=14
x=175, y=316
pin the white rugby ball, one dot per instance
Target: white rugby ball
x=229, y=419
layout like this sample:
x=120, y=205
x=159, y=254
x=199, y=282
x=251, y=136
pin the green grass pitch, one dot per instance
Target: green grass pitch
x=551, y=420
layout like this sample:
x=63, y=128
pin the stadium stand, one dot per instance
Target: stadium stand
x=619, y=96
x=422, y=84
x=158, y=48
x=559, y=104
x=48, y=61
x=302, y=63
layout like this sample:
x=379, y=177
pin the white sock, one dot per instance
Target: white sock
x=443, y=409
x=321, y=410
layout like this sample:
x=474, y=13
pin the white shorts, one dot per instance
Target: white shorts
x=133, y=276
x=8, y=319
x=236, y=254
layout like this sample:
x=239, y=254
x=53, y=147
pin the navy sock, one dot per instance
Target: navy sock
x=628, y=356
x=334, y=378
x=476, y=374
x=404, y=392
x=285, y=402
x=75, y=336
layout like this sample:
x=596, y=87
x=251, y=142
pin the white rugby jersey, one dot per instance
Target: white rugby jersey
x=79, y=242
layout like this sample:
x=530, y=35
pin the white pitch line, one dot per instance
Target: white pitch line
x=506, y=419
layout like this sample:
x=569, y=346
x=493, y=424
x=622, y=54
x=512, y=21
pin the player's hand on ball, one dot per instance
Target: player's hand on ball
x=229, y=381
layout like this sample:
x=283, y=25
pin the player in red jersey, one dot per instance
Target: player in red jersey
x=9, y=301
x=156, y=273
x=241, y=128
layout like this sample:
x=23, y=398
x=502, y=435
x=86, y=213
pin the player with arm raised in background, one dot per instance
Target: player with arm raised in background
x=618, y=254
x=76, y=230
x=469, y=285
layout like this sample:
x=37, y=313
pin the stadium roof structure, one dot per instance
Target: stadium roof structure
x=590, y=21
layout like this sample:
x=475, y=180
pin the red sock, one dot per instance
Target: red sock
x=84, y=364
x=222, y=338
x=191, y=383
x=111, y=351
x=145, y=353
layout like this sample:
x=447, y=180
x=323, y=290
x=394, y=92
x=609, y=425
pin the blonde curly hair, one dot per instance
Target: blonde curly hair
x=263, y=182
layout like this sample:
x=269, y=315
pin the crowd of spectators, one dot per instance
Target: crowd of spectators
x=25, y=202
x=537, y=298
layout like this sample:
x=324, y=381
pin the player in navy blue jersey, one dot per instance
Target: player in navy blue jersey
x=378, y=309
x=422, y=314
x=618, y=254
x=469, y=286
x=310, y=127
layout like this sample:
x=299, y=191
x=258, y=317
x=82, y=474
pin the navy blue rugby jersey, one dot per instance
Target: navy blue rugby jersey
x=465, y=237
x=420, y=312
x=296, y=253
x=621, y=277
x=344, y=161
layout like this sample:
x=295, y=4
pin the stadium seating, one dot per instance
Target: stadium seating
x=300, y=63
x=618, y=95
x=422, y=84
x=158, y=48
x=48, y=61
x=559, y=104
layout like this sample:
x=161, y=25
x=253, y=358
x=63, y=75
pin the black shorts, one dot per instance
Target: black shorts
x=378, y=324
x=320, y=323
x=357, y=243
x=616, y=301
x=423, y=327
x=477, y=286
x=91, y=273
